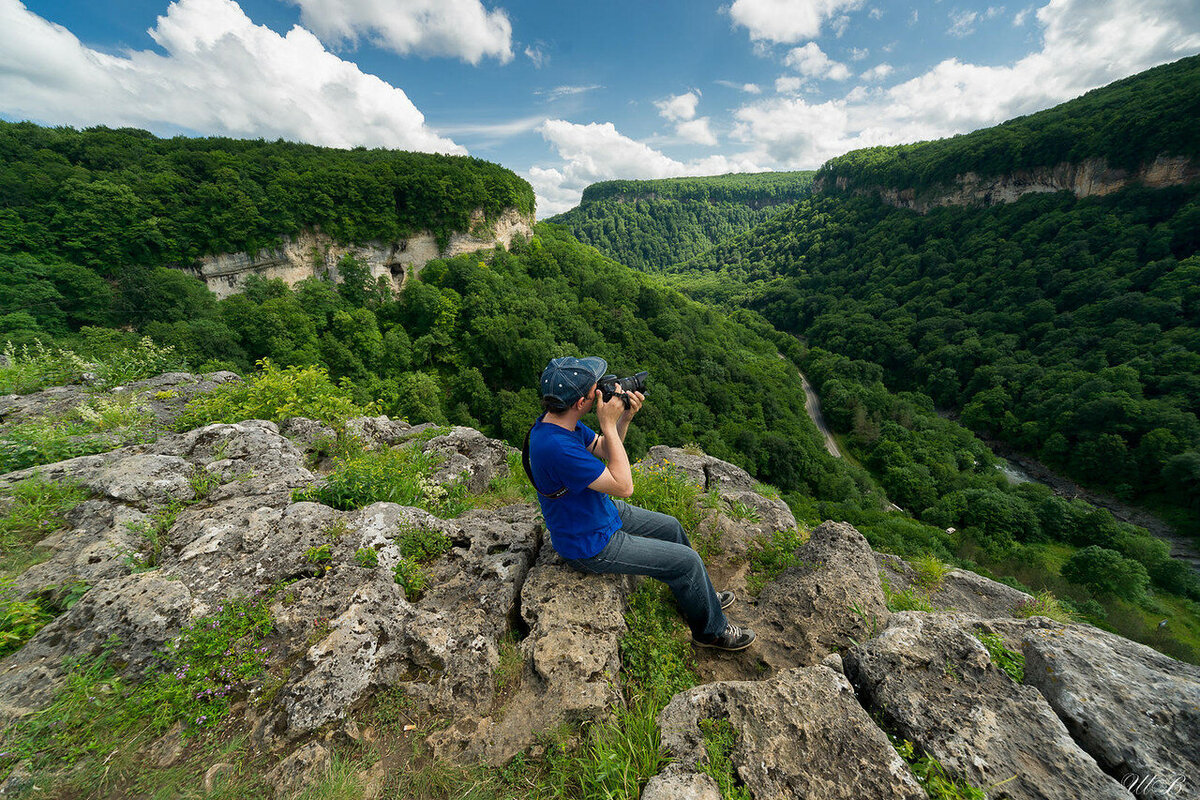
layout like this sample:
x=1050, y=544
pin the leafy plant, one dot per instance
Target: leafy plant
x=366, y=557
x=1044, y=604
x=663, y=488
x=1013, y=664
x=422, y=545
x=20, y=618
x=318, y=555
x=930, y=571
x=36, y=508
x=412, y=576
x=398, y=475
x=154, y=534
x=932, y=775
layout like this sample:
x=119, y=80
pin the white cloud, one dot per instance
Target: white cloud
x=678, y=107
x=559, y=92
x=696, y=131
x=788, y=84
x=598, y=152
x=876, y=13
x=457, y=28
x=220, y=74
x=748, y=88
x=786, y=21
x=1101, y=40
x=537, y=55
x=962, y=23
x=812, y=62
x=859, y=53
x=877, y=72
x=840, y=25
x=1021, y=16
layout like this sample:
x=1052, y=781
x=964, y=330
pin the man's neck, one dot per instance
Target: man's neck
x=567, y=419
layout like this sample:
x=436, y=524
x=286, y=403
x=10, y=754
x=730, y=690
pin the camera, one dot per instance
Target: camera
x=609, y=384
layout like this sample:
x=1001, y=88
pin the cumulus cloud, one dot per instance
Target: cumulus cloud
x=877, y=72
x=679, y=107
x=859, y=53
x=1100, y=40
x=962, y=23
x=456, y=28
x=598, y=152
x=696, y=131
x=220, y=74
x=812, y=62
x=787, y=21
x=788, y=84
x=537, y=55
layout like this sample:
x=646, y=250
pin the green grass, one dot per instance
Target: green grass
x=771, y=555
x=35, y=509
x=667, y=490
x=1044, y=604
x=97, y=425
x=932, y=775
x=33, y=368
x=720, y=738
x=910, y=599
x=931, y=571
x=399, y=475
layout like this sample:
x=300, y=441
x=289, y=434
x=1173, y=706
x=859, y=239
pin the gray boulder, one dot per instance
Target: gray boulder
x=960, y=590
x=801, y=733
x=466, y=454
x=710, y=474
x=933, y=683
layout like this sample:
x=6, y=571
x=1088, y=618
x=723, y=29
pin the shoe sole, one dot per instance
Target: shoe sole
x=732, y=600
x=715, y=646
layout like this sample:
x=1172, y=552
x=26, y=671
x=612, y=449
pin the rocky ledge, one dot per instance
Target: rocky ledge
x=811, y=704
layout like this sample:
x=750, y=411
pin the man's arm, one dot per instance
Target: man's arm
x=617, y=478
x=600, y=445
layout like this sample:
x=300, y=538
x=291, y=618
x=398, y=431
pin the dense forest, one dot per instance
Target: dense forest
x=649, y=224
x=113, y=199
x=1067, y=327
x=1128, y=123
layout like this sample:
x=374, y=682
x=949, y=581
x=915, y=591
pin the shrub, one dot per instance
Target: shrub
x=391, y=475
x=1044, y=604
x=412, y=577
x=366, y=557
x=422, y=545
x=20, y=619
x=276, y=394
x=660, y=487
x=1106, y=571
x=32, y=368
x=930, y=571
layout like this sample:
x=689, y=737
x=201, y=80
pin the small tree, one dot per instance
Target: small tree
x=1106, y=571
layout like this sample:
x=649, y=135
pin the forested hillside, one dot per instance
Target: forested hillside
x=1127, y=124
x=1068, y=327
x=650, y=224
x=109, y=199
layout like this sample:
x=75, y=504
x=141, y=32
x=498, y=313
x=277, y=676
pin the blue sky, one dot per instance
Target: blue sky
x=570, y=93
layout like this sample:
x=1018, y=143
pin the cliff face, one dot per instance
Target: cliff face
x=313, y=253
x=1087, y=178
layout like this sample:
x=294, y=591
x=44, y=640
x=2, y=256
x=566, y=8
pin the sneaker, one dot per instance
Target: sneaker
x=726, y=599
x=734, y=638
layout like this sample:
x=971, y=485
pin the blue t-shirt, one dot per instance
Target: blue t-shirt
x=582, y=520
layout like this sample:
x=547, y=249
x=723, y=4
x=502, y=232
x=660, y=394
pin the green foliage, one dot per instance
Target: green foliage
x=29, y=369
x=720, y=738
x=657, y=661
x=930, y=570
x=366, y=557
x=321, y=554
x=932, y=775
x=1013, y=664
x=1044, y=604
x=100, y=713
x=650, y=224
x=909, y=599
x=20, y=618
x=770, y=556
x=1127, y=123
x=102, y=197
x=275, y=394
x=422, y=545
x=662, y=488
x=1106, y=571
x=400, y=475
x=412, y=576
x=35, y=508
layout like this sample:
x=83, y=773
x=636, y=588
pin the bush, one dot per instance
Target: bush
x=1107, y=572
x=276, y=394
x=660, y=487
x=394, y=476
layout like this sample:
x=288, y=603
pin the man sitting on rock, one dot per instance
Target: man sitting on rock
x=595, y=533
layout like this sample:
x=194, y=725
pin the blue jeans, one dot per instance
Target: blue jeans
x=654, y=544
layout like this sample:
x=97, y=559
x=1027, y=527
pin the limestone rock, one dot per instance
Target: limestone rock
x=302, y=768
x=466, y=453
x=671, y=785
x=710, y=474
x=801, y=733
x=934, y=684
x=1135, y=710
x=824, y=604
x=378, y=431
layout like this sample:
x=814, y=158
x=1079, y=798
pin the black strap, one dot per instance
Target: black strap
x=529, y=470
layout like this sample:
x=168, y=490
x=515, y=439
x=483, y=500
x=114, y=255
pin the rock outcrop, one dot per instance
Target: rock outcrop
x=312, y=254
x=507, y=642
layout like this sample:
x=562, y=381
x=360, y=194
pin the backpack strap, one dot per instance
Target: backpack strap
x=529, y=470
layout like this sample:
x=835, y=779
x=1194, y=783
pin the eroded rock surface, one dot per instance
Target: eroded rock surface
x=800, y=734
x=934, y=683
x=960, y=590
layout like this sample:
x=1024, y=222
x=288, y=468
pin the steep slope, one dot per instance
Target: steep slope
x=1140, y=130
x=650, y=224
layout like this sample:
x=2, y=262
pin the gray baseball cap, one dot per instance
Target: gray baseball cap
x=567, y=379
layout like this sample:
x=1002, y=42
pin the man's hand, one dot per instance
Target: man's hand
x=609, y=412
x=635, y=405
